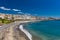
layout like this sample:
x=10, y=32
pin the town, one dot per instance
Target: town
x=25, y=17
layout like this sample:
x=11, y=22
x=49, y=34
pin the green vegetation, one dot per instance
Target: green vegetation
x=5, y=21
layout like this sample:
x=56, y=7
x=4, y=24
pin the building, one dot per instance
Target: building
x=2, y=15
x=8, y=16
x=17, y=17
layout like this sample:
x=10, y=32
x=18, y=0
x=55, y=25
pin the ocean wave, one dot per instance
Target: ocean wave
x=26, y=32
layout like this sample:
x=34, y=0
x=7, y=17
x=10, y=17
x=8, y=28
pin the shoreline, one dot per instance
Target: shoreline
x=21, y=27
x=26, y=32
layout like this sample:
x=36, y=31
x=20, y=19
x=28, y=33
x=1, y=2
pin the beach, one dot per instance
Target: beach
x=15, y=31
x=26, y=32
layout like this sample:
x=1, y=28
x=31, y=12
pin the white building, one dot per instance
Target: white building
x=2, y=15
x=8, y=16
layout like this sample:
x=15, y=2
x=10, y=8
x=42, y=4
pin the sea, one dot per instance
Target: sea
x=44, y=30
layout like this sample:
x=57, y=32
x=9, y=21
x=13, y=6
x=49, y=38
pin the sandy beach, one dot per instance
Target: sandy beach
x=12, y=32
x=15, y=31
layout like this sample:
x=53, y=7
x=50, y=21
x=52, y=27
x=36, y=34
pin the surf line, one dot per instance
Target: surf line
x=26, y=32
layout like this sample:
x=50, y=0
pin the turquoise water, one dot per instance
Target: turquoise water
x=47, y=30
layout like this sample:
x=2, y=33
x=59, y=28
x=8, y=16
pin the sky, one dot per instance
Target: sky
x=34, y=7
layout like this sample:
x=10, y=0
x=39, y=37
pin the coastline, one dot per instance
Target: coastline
x=26, y=32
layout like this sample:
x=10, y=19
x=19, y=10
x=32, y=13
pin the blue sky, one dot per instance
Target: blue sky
x=39, y=7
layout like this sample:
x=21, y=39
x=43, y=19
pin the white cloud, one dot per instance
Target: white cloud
x=20, y=12
x=16, y=10
x=3, y=8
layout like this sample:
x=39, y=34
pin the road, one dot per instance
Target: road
x=9, y=25
x=14, y=23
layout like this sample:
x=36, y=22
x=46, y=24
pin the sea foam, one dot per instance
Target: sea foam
x=26, y=32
